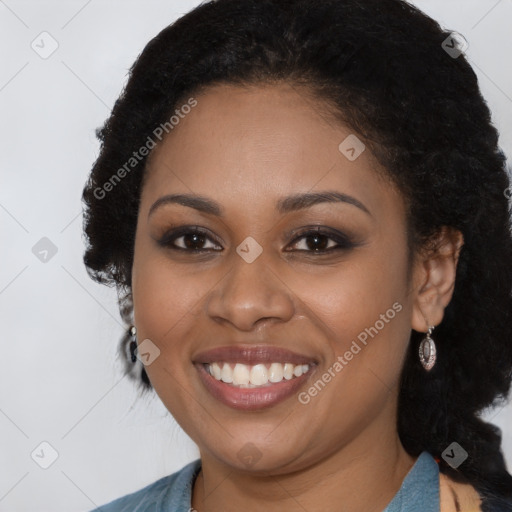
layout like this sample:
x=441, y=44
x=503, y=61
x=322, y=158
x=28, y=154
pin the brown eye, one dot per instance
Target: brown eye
x=315, y=241
x=187, y=238
x=319, y=240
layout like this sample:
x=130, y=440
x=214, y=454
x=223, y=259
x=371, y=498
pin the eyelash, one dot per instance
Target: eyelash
x=344, y=243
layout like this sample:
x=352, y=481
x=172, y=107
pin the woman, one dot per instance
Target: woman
x=303, y=207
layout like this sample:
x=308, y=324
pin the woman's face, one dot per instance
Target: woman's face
x=261, y=294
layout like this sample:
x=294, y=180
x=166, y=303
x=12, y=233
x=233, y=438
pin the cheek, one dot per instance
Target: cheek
x=353, y=295
x=363, y=309
x=168, y=303
x=164, y=294
x=161, y=299
x=165, y=302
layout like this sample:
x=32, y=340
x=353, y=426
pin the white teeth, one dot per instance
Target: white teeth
x=275, y=372
x=259, y=375
x=216, y=371
x=288, y=371
x=241, y=374
x=226, y=374
x=249, y=376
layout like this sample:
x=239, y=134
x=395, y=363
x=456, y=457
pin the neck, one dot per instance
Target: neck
x=362, y=476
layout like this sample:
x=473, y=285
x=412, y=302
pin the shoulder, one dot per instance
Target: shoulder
x=463, y=497
x=457, y=497
x=170, y=491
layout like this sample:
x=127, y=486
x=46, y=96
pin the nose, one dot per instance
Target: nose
x=249, y=294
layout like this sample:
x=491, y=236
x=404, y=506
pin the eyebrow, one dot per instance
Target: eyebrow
x=284, y=205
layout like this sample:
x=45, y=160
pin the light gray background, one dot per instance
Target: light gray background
x=60, y=380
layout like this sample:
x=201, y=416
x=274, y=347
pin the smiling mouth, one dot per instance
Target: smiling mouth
x=249, y=397
x=255, y=376
x=252, y=377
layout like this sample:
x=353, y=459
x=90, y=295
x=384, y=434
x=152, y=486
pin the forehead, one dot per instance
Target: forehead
x=242, y=144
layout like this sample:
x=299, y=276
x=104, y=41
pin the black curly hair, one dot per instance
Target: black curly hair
x=382, y=68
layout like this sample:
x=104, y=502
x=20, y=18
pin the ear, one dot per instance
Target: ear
x=434, y=278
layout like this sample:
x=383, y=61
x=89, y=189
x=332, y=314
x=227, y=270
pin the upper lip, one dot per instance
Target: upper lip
x=251, y=355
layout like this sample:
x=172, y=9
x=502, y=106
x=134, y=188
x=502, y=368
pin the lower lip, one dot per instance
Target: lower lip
x=250, y=399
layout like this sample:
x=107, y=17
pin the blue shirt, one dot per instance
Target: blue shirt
x=173, y=493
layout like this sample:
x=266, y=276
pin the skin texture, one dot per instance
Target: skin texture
x=457, y=497
x=245, y=148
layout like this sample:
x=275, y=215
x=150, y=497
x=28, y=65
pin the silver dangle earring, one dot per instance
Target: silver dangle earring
x=428, y=351
x=133, y=343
